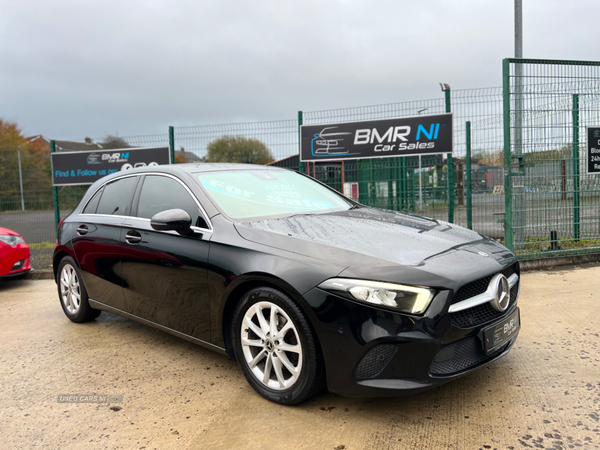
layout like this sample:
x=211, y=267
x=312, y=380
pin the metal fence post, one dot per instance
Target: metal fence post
x=371, y=184
x=390, y=172
x=300, y=163
x=575, y=156
x=468, y=170
x=404, y=184
x=172, y=144
x=450, y=165
x=55, y=199
x=362, y=186
x=20, y=178
x=411, y=188
x=507, y=148
x=397, y=172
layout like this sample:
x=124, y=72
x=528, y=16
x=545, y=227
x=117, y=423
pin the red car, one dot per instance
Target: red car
x=14, y=254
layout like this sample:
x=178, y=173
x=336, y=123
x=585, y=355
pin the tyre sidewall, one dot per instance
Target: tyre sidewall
x=85, y=311
x=297, y=392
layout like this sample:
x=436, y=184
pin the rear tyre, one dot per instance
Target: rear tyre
x=276, y=347
x=72, y=294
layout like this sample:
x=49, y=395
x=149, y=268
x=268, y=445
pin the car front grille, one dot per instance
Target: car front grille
x=479, y=286
x=484, y=313
x=460, y=356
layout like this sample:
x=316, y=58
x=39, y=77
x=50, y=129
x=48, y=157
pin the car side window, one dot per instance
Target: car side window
x=116, y=197
x=93, y=203
x=161, y=193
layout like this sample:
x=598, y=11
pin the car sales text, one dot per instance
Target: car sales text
x=394, y=134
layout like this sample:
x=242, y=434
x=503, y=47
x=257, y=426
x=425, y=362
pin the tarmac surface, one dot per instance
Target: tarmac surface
x=544, y=394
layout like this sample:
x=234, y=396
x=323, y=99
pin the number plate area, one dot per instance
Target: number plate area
x=498, y=335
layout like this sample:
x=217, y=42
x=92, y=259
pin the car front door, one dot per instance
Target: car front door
x=164, y=272
x=97, y=242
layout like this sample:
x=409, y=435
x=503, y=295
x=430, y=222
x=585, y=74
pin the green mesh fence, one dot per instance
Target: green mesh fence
x=26, y=200
x=517, y=172
x=390, y=183
x=554, y=205
x=478, y=119
x=70, y=196
x=405, y=183
x=280, y=138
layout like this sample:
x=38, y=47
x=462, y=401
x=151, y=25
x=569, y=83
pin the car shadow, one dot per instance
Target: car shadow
x=476, y=383
x=15, y=282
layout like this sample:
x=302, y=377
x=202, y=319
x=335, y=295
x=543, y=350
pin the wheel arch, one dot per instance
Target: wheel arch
x=57, y=258
x=251, y=281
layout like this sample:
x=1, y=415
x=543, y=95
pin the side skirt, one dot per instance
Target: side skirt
x=97, y=305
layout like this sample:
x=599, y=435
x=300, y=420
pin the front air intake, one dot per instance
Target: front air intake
x=375, y=361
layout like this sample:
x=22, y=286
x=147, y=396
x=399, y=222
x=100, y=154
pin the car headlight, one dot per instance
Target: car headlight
x=11, y=239
x=399, y=297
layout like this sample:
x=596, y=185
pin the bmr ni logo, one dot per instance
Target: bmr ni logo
x=99, y=158
x=329, y=142
x=401, y=135
x=94, y=158
x=115, y=157
x=378, y=138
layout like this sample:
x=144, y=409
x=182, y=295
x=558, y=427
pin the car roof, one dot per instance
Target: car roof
x=213, y=167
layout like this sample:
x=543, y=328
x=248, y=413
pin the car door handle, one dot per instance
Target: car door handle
x=83, y=229
x=133, y=237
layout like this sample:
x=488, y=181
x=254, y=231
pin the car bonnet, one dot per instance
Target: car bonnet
x=386, y=235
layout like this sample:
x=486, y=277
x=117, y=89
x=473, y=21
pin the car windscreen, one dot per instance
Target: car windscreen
x=243, y=195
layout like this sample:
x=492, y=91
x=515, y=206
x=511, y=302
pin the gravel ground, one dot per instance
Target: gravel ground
x=544, y=394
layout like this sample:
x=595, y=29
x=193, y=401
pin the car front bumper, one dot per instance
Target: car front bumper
x=371, y=352
x=14, y=260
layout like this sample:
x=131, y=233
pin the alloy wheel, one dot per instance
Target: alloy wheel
x=70, y=289
x=271, y=345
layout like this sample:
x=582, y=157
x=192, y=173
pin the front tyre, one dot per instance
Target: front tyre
x=72, y=293
x=276, y=347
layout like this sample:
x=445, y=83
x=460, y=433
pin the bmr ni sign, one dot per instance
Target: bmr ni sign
x=85, y=167
x=593, y=150
x=405, y=136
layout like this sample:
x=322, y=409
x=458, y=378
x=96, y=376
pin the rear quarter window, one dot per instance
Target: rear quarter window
x=92, y=205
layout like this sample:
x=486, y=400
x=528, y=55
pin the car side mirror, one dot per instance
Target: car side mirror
x=172, y=219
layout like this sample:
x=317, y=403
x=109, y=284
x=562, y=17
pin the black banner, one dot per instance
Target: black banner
x=404, y=136
x=85, y=167
x=593, y=150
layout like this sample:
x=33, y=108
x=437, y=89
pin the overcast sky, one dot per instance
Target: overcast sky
x=70, y=69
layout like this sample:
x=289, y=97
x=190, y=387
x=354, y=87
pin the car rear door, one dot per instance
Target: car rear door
x=165, y=273
x=97, y=241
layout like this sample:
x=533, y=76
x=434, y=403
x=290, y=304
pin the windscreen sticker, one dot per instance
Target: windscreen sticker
x=290, y=196
x=318, y=204
x=226, y=189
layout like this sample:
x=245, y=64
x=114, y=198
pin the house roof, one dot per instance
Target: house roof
x=189, y=156
x=67, y=145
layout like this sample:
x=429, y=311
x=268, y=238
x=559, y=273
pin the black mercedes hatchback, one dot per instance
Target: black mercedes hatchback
x=302, y=286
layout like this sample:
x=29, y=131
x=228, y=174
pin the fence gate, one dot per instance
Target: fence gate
x=552, y=205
